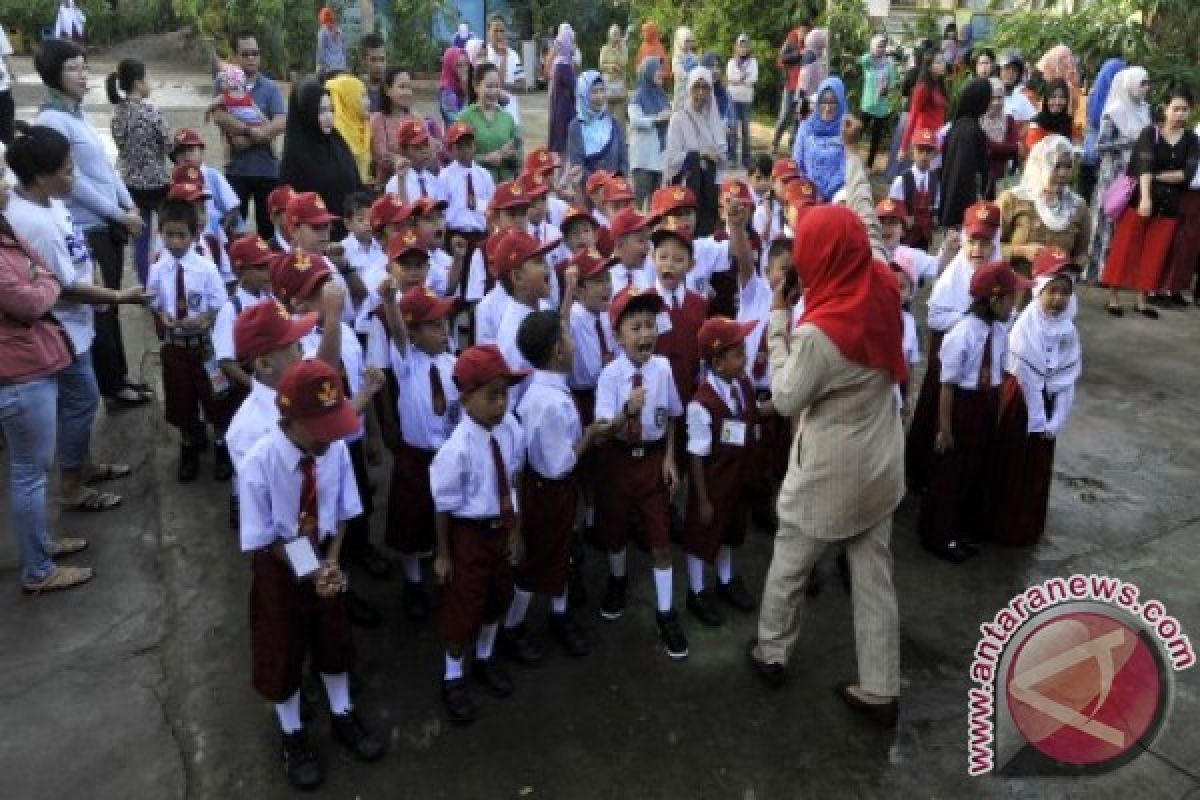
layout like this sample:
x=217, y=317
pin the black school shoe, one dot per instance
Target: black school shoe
x=770, y=673
x=189, y=463
x=456, y=697
x=360, y=612
x=736, y=594
x=703, y=606
x=885, y=715
x=491, y=674
x=613, y=605
x=515, y=645
x=672, y=636
x=300, y=763
x=415, y=601
x=373, y=561
x=564, y=630
x=349, y=732
x=222, y=465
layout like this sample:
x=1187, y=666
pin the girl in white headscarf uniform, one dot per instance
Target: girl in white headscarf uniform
x=1045, y=360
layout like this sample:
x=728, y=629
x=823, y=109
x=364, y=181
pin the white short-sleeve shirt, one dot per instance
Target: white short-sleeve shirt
x=662, y=397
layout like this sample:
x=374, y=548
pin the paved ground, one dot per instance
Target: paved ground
x=136, y=686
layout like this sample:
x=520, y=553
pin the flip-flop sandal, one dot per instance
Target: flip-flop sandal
x=1148, y=313
x=1116, y=311
x=67, y=546
x=94, y=501
x=99, y=473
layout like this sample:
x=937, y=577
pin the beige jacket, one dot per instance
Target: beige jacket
x=846, y=468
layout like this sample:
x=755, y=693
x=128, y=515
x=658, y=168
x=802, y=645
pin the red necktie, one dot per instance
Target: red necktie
x=181, y=303
x=421, y=183
x=605, y=353
x=503, y=495
x=634, y=431
x=308, y=499
x=985, y=366
x=735, y=395
x=760, y=358
x=470, y=192
x=437, y=392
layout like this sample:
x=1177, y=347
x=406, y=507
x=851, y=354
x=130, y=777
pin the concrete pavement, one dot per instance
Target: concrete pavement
x=137, y=685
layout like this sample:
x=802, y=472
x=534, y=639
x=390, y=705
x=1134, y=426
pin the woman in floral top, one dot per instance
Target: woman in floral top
x=143, y=140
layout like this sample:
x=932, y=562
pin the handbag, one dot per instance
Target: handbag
x=1118, y=194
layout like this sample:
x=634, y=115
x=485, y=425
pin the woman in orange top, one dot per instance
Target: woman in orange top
x=653, y=46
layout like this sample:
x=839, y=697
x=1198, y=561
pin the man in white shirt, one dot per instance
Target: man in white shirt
x=512, y=74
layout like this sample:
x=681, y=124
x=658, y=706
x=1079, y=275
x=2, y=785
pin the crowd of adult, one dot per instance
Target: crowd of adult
x=1130, y=216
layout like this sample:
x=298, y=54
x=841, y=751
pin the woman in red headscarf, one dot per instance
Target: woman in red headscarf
x=845, y=477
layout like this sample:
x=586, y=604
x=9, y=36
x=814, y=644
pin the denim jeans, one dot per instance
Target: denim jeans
x=896, y=159
x=787, y=120
x=742, y=132
x=27, y=412
x=78, y=398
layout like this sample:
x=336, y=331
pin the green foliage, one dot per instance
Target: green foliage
x=1166, y=43
x=849, y=39
x=411, y=41
x=104, y=26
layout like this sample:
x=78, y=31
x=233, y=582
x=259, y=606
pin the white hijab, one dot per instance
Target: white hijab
x=951, y=293
x=1128, y=114
x=1039, y=169
x=1048, y=344
x=705, y=128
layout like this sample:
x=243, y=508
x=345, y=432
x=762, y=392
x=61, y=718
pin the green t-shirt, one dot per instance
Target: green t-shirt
x=490, y=136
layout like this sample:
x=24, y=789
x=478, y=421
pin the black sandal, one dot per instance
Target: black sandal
x=1147, y=312
x=1115, y=310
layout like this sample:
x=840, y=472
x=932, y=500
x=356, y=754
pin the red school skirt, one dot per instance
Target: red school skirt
x=1138, y=251
x=953, y=504
x=918, y=449
x=1021, y=468
x=1183, y=261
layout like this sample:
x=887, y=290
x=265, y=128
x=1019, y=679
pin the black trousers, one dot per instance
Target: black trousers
x=8, y=113
x=878, y=128
x=256, y=187
x=108, y=350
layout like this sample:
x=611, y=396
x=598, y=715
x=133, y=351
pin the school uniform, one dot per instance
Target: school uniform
x=1044, y=362
x=770, y=223
x=370, y=262
x=427, y=408
x=556, y=259
x=595, y=347
x=506, y=339
x=254, y=419
x=947, y=304
x=721, y=418
x=223, y=350
x=632, y=465
x=438, y=277
x=289, y=623
x=468, y=192
x=556, y=210
x=549, y=490
x=709, y=257
x=624, y=277
x=972, y=357
x=925, y=265
x=771, y=432
x=488, y=313
x=184, y=287
x=211, y=246
x=678, y=325
x=418, y=183
x=278, y=244
x=467, y=486
x=221, y=199
x=910, y=345
x=920, y=191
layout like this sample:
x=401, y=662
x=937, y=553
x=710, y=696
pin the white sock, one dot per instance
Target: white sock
x=558, y=603
x=616, y=563
x=695, y=573
x=453, y=668
x=412, y=568
x=725, y=564
x=518, y=609
x=662, y=587
x=338, y=688
x=289, y=713
x=485, y=642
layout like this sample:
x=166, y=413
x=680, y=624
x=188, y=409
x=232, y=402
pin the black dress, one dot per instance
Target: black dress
x=965, y=165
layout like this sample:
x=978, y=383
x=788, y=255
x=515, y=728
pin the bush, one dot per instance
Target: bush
x=104, y=26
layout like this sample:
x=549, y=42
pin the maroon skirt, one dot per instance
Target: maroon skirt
x=1020, y=471
x=1183, y=260
x=918, y=449
x=953, y=504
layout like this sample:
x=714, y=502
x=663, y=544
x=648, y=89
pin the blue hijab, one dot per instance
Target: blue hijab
x=596, y=126
x=649, y=96
x=820, y=152
x=1099, y=95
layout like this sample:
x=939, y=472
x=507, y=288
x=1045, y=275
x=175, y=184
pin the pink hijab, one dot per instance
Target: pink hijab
x=449, y=77
x=1059, y=64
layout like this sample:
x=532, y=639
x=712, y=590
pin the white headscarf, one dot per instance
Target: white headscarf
x=1047, y=344
x=696, y=130
x=1039, y=169
x=951, y=294
x=1129, y=115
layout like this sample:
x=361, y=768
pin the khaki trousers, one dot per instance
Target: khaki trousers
x=876, y=617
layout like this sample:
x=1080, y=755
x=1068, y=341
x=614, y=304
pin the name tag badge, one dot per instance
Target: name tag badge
x=216, y=376
x=302, y=557
x=733, y=432
x=660, y=417
x=663, y=323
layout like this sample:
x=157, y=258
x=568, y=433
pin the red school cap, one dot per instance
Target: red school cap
x=670, y=228
x=296, y=275
x=631, y=298
x=266, y=327
x=720, y=333
x=401, y=244
x=996, y=279
x=1054, y=261
x=307, y=208
x=627, y=221
x=618, y=190
x=735, y=190
x=924, y=137
x=482, y=364
x=419, y=304
x=183, y=139
x=981, y=219
x=310, y=394
x=887, y=208
x=278, y=199
x=670, y=199
x=509, y=195
x=597, y=181
x=458, y=131
x=590, y=263
x=387, y=210
x=534, y=184
x=512, y=249
x=249, y=250
x=785, y=169
x=542, y=160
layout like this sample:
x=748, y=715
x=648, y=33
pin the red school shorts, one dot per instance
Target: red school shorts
x=630, y=481
x=481, y=587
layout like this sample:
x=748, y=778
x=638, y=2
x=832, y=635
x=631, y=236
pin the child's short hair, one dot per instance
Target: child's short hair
x=540, y=331
x=762, y=164
x=358, y=201
x=413, y=258
x=178, y=211
x=778, y=248
x=571, y=224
